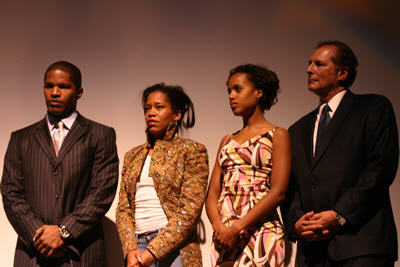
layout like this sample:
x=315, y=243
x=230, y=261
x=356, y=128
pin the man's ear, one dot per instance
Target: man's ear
x=343, y=72
x=79, y=93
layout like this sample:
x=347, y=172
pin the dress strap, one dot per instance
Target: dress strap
x=270, y=132
x=227, y=139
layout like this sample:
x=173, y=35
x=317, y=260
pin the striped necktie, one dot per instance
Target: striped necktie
x=58, y=137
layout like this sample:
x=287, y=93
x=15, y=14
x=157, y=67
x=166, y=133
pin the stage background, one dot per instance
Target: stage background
x=122, y=47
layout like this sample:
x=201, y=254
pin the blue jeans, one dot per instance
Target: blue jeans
x=173, y=259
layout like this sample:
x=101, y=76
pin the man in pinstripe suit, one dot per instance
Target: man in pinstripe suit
x=59, y=179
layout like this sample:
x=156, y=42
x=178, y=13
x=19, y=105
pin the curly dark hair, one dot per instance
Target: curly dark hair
x=178, y=99
x=345, y=57
x=262, y=79
x=74, y=72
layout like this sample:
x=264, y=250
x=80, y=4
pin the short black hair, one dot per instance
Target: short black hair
x=263, y=79
x=74, y=72
x=344, y=58
x=178, y=99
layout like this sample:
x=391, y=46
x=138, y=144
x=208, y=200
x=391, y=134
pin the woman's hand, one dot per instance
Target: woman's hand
x=133, y=258
x=226, y=237
x=146, y=258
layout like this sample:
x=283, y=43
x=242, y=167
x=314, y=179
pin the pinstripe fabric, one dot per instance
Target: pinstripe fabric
x=76, y=189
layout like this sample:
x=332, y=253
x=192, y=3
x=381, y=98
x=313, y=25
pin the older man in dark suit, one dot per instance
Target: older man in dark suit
x=345, y=157
x=59, y=179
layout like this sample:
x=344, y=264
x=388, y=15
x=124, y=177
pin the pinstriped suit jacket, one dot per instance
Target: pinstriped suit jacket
x=76, y=189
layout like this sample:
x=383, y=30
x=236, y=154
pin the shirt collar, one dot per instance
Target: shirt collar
x=334, y=102
x=68, y=121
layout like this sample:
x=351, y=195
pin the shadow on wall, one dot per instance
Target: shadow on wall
x=201, y=231
x=114, y=253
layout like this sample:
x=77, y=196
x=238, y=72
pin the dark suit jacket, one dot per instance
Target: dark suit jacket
x=351, y=174
x=76, y=189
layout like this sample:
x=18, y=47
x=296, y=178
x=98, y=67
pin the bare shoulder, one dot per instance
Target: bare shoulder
x=224, y=139
x=281, y=136
x=281, y=132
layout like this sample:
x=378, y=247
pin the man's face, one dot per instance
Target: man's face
x=60, y=93
x=323, y=73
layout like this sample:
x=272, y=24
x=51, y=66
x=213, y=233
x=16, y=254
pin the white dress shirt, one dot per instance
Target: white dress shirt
x=68, y=122
x=333, y=104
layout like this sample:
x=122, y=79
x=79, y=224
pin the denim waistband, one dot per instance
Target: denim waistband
x=149, y=233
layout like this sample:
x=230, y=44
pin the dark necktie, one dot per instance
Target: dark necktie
x=322, y=125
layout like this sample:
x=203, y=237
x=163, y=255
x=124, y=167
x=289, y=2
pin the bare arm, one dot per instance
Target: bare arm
x=214, y=191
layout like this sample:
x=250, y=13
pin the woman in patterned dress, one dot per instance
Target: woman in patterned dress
x=250, y=176
x=163, y=186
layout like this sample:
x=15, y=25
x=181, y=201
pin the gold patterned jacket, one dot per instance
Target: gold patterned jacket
x=179, y=168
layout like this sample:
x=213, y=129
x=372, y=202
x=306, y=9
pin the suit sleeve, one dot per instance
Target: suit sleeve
x=192, y=196
x=16, y=206
x=380, y=161
x=291, y=209
x=102, y=185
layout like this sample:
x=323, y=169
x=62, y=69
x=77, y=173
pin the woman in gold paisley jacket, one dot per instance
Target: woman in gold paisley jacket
x=179, y=171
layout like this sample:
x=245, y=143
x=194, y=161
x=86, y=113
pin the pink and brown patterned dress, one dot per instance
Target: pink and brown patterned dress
x=246, y=172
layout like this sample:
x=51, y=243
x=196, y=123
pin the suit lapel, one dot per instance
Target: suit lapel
x=42, y=136
x=340, y=114
x=78, y=129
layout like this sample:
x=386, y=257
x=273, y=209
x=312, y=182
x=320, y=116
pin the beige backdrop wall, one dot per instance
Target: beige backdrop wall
x=124, y=46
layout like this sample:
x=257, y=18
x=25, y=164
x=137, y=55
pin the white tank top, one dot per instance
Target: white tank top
x=149, y=214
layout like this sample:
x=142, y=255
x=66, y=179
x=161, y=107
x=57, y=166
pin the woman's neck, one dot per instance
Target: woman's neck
x=153, y=140
x=256, y=119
